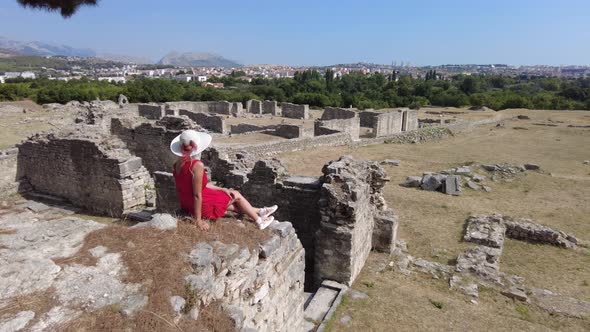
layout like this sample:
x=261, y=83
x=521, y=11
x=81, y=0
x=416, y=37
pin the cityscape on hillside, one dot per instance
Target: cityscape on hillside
x=72, y=67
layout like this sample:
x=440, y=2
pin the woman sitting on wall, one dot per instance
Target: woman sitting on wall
x=200, y=198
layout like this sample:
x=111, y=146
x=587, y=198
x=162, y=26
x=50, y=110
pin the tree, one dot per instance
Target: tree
x=329, y=77
x=66, y=8
x=469, y=85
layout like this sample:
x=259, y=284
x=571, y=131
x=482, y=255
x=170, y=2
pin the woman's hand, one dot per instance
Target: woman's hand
x=202, y=225
x=228, y=192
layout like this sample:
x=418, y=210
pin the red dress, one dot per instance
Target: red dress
x=214, y=202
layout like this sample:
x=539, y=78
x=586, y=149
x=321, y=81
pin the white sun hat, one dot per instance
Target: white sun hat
x=201, y=139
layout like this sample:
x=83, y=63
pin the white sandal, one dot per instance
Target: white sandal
x=264, y=222
x=267, y=211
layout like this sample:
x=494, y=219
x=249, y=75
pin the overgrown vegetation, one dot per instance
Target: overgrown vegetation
x=310, y=87
x=437, y=304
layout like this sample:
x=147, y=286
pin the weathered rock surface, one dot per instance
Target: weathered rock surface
x=17, y=322
x=464, y=285
x=26, y=266
x=486, y=230
x=482, y=261
x=162, y=221
x=413, y=182
x=556, y=303
x=25, y=261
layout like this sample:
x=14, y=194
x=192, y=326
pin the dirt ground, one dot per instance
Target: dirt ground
x=432, y=223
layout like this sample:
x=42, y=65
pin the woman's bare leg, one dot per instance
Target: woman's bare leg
x=243, y=205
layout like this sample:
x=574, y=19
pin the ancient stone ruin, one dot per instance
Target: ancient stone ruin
x=114, y=160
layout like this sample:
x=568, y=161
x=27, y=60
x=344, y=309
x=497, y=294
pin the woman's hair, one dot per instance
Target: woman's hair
x=186, y=152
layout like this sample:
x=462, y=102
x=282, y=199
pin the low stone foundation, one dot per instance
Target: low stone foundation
x=293, y=131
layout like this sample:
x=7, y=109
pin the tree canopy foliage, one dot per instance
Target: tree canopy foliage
x=310, y=87
x=66, y=8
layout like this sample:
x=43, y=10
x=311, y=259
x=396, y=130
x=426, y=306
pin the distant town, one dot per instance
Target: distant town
x=117, y=72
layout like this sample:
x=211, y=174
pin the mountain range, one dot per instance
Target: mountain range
x=37, y=48
x=197, y=60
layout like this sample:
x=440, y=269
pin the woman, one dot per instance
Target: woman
x=200, y=198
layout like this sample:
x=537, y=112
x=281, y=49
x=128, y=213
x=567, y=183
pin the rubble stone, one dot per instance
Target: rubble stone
x=413, y=182
x=486, y=230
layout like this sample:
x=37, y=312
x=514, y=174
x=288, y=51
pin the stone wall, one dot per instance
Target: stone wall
x=166, y=196
x=415, y=136
x=8, y=182
x=385, y=124
x=212, y=122
x=254, y=106
x=86, y=171
x=412, y=120
x=297, y=144
x=350, y=198
x=228, y=168
x=350, y=126
x=271, y=107
x=151, y=111
x=243, y=128
x=149, y=141
x=295, y=111
x=331, y=113
x=368, y=118
x=261, y=290
x=219, y=107
x=297, y=196
x=337, y=222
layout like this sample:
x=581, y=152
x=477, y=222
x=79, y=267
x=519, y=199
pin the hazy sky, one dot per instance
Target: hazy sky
x=302, y=32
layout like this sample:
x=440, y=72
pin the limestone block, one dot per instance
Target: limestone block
x=385, y=231
x=453, y=185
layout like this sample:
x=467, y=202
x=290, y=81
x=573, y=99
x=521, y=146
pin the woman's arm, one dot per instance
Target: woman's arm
x=214, y=187
x=198, y=170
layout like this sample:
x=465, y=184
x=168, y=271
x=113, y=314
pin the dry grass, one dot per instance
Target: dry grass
x=13, y=128
x=433, y=222
x=38, y=302
x=399, y=303
x=157, y=259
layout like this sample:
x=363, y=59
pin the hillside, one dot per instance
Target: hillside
x=197, y=60
x=43, y=49
x=31, y=62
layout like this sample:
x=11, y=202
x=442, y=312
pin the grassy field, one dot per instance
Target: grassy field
x=432, y=223
x=15, y=127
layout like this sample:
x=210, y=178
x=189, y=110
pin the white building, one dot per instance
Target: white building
x=28, y=74
x=2, y=79
x=11, y=74
x=202, y=78
x=113, y=79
